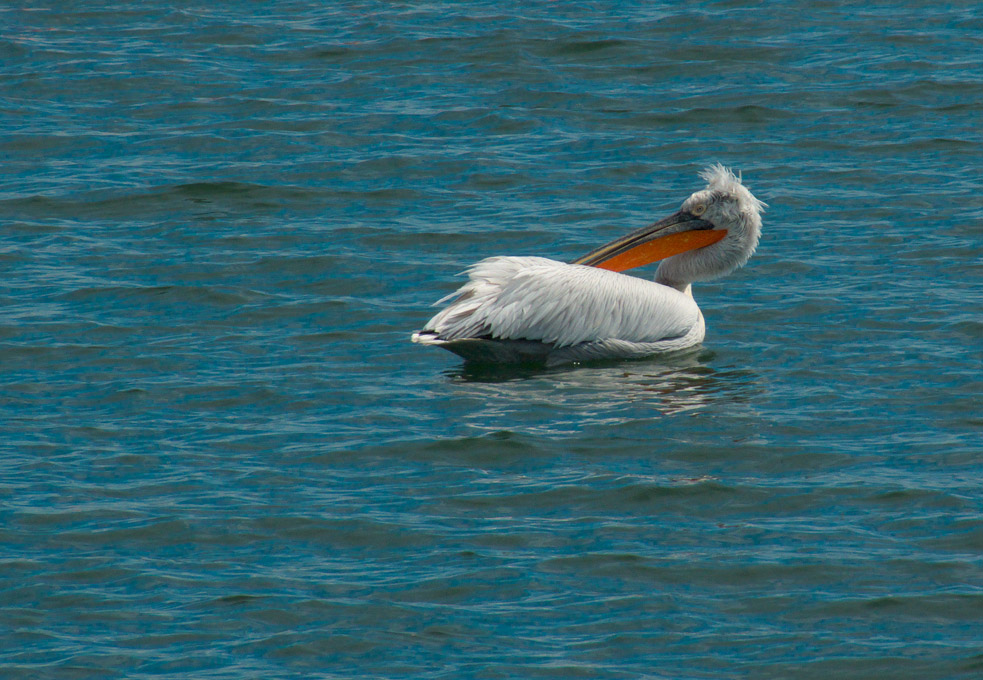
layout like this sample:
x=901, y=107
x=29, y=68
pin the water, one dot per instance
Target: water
x=222, y=457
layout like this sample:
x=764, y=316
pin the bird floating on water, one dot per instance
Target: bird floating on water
x=533, y=309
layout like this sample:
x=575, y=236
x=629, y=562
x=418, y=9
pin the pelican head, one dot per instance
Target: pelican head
x=715, y=231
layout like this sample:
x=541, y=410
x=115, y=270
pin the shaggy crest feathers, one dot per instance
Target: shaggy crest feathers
x=722, y=179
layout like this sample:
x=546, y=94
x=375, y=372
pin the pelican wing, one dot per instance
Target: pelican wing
x=537, y=299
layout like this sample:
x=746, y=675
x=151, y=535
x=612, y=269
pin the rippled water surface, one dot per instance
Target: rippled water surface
x=223, y=458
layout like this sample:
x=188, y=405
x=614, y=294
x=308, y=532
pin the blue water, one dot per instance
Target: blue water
x=221, y=457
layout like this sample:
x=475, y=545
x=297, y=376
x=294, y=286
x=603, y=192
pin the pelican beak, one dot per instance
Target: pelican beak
x=675, y=234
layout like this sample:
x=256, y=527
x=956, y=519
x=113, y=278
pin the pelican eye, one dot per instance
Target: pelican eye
x=698, y=209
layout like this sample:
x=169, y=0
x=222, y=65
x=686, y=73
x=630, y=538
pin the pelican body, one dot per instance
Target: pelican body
x=533, y=309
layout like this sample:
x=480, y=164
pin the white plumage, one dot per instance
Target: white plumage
x=535, y=309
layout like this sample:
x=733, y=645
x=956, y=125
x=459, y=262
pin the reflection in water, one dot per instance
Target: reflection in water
x=566, y=399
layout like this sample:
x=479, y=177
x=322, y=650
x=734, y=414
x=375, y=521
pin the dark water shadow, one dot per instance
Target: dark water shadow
x=481, y=372
x=667, y=384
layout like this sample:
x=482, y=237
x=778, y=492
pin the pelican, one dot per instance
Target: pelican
x=533, y=309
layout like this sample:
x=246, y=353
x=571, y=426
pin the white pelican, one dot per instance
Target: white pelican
x=517, y=309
